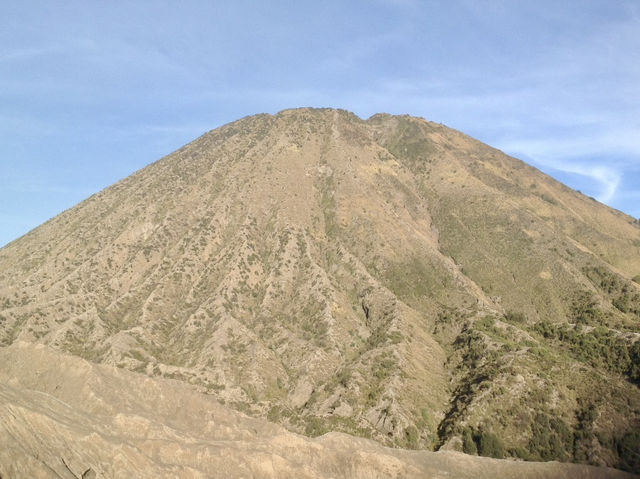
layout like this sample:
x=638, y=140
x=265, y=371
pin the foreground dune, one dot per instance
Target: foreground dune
x=61, y=416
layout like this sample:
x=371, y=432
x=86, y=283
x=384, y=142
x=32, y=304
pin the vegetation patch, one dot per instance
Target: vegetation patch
x=622, y=293
x=551, y=438
x=598, y=347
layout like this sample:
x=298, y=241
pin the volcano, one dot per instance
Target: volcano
x=388, y=278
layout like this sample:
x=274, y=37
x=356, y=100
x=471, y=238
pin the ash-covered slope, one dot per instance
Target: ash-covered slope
x=62, y=417
x=390, y=278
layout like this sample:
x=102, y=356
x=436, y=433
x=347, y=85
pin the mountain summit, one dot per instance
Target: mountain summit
x=390, y=278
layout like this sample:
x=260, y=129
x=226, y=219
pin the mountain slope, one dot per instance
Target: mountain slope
x=390, y=278
x=65, y=418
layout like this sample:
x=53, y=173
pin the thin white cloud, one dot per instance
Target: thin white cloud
x=622, y=146
x=607, y=177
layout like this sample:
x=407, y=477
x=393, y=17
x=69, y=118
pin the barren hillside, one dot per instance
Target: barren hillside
x=389, y=278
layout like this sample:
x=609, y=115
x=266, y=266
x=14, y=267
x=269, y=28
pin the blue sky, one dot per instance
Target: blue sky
x=91, y=91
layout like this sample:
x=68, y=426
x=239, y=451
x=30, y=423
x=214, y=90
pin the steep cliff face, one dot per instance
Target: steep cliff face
x=390, y=278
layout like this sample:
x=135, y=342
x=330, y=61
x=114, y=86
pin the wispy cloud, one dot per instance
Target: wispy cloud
x=603, y=157
x=607, y=177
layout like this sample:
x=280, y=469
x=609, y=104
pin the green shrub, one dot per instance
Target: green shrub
x=621, y=293
x=424, y=414
x=600, y=347
x=487, y=324
x=468, y=444
x=521, y=453
x=474, y=347
x=411, y=437
x=627, y=447
x=584, y=309
x=584, y=433
x=490, y=445
x=515, y=317
x=634, y=357
x=550, y=439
